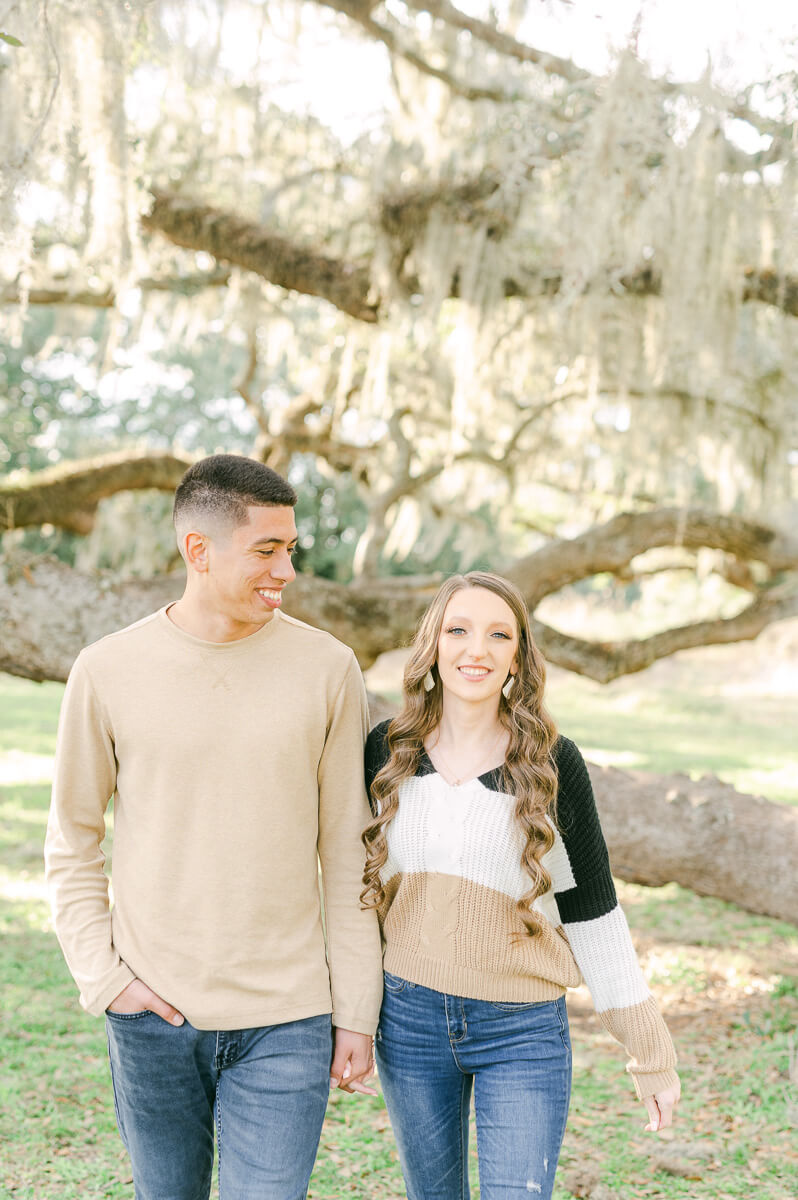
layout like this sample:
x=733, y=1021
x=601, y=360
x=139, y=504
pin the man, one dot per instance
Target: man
x=230, y=737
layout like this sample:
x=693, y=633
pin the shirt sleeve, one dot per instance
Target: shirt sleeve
x=353, y=940
x=598, y=934
x=84, y=782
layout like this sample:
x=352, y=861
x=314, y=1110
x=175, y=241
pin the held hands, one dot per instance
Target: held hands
x=660, y=1108
x=137, y=997
x=353, y=1062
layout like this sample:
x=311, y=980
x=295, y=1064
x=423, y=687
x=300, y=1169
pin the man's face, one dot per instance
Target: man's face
x=248, y=567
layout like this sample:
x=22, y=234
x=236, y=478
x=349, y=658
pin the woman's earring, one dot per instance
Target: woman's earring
x=508, y=687
x=429, y=682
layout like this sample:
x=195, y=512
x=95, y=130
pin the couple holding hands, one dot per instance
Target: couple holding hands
x=236, y=989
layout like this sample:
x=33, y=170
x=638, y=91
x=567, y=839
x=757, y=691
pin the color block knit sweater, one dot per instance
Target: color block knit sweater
x=449, y=919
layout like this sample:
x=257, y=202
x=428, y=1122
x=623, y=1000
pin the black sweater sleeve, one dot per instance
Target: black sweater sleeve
x=376, y=756
x=593, y=893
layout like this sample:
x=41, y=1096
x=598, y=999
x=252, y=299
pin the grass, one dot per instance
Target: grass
x=727, y=982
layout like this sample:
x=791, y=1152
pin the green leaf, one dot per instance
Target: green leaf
x=9, y=39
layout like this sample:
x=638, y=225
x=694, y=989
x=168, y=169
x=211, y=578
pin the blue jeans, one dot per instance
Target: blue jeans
x=266, y=1090
x=432, y=1048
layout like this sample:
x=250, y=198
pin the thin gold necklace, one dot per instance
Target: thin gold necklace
x=473, y=772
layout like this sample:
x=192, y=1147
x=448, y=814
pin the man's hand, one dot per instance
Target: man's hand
x=660, y=1108
x=353, y=1062
x=137, y=997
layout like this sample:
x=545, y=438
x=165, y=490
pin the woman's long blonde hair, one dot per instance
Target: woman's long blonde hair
x=529, y=773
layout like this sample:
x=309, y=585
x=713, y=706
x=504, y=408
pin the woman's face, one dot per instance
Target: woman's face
x=477, y=645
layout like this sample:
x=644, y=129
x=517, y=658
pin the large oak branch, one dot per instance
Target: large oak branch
x=49, y=611
x=349, y=286
x=283, y=262
x=605, y=661
x=80, y=293
x=611, y=547
x=67, y=496
x=703, y=835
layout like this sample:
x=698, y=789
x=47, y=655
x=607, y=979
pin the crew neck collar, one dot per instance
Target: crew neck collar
x=237, y=644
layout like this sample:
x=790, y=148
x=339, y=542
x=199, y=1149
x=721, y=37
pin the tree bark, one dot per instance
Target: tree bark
x=612, y=546
x=228, y=238
x=703, y=835
x=78, y=292
x=67, y=496
x=49, y=611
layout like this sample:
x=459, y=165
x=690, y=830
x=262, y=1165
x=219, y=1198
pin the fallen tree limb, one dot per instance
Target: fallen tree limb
x=703, y=835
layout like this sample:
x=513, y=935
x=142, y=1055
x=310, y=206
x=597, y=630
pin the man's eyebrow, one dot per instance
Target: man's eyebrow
x=273, y=541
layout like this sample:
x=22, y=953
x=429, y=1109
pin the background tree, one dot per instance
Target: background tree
x=484, y=305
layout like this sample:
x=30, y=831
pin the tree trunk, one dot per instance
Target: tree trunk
x=48, y=611
x=703, y=835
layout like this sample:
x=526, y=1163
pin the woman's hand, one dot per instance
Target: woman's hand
x=353, y=1062
x=660, y=1108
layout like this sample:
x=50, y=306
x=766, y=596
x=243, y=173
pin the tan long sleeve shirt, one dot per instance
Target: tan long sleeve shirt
x=234, y=769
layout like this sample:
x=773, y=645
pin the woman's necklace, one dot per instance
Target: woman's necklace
x=473, y=771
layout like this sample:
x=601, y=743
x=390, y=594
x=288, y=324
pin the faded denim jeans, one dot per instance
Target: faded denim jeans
x=433, y=1049
x=265, y=1091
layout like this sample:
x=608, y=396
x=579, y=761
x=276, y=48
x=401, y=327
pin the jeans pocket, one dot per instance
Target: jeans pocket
x=134, y=1016
x=511, y=1006
x=393, y=983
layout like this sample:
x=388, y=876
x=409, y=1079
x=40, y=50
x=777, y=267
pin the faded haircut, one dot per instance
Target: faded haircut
x=218, y=491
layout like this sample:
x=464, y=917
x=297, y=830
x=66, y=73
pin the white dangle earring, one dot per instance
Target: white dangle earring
x=508, y=687
x=429, y=682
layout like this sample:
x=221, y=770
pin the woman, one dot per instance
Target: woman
x=487, y=865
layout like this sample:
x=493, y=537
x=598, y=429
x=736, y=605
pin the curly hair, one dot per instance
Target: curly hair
x=529, y=773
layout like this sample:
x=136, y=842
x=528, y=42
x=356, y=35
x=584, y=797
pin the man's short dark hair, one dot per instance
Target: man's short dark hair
x=223, y=486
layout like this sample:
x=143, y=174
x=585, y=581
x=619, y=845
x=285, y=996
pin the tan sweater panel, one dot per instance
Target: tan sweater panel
x=456, y=936
x=453, y=935
x=234, y=768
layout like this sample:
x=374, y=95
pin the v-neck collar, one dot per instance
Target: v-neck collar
x=490, y=779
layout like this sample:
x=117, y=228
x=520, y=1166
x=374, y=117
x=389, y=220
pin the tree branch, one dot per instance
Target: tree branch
x=67, y=496
x=377, y=614
x=736, y=108
x=78, y=292
x=610, y=547
x=552, y=64
x=348, y=285
x=605, y=661
x=361, y=14
x=231, y=239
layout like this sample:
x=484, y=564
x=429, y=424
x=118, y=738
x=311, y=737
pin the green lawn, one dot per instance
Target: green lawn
x=727, y=981
x=750, y=742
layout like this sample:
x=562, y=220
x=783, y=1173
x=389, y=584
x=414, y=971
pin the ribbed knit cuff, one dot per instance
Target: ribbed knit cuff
x=648, y=1083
